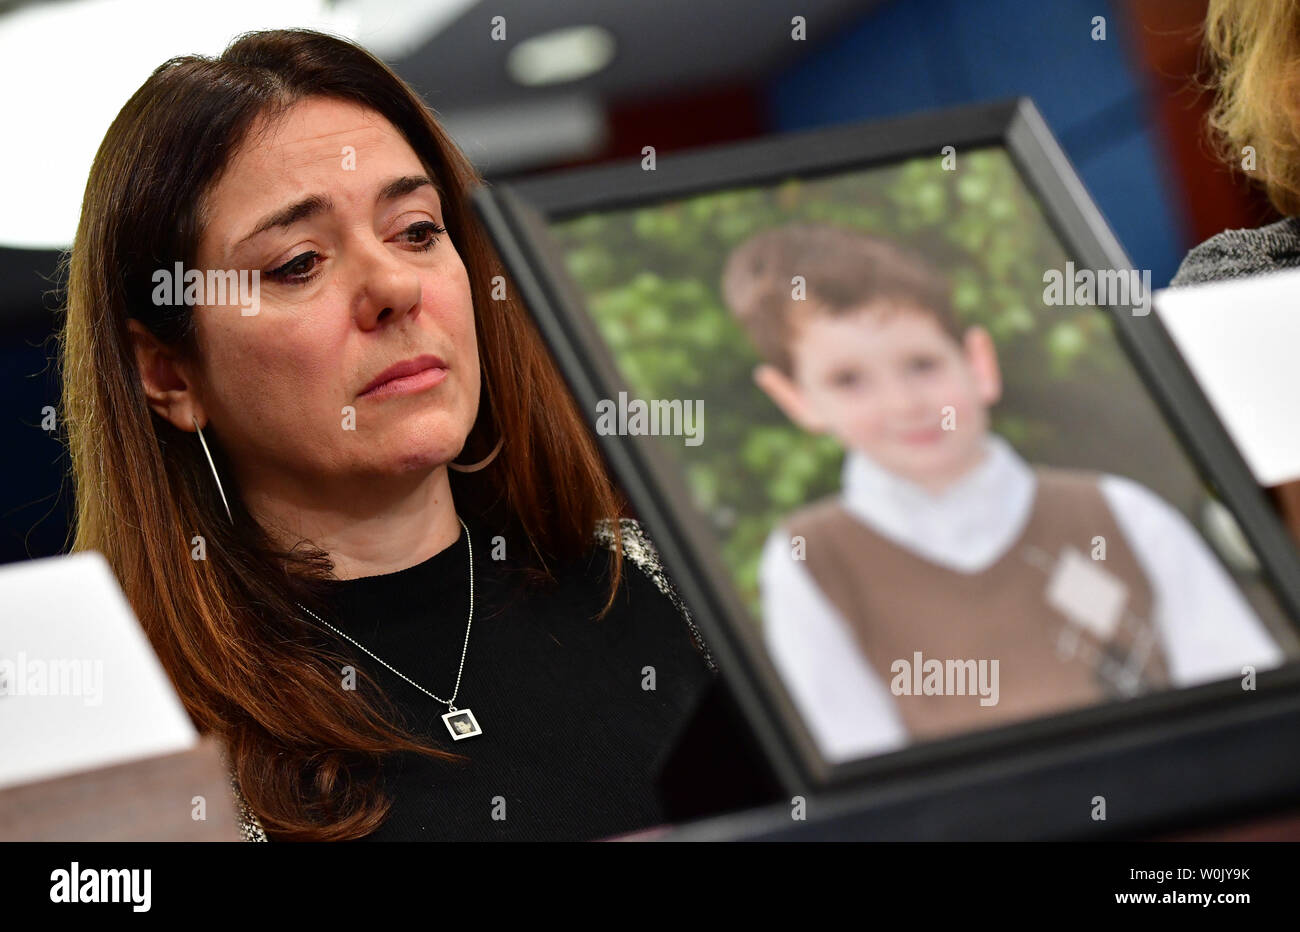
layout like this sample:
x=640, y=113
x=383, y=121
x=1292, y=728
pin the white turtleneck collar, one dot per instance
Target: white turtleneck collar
x=967, y=527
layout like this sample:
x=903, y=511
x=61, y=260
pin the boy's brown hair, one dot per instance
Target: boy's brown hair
x=844, y=270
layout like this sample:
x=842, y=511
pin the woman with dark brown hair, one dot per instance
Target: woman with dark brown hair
x=283, y=329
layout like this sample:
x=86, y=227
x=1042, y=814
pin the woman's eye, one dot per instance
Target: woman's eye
x=303, y=268
x=924, y=363
x=845, y=378
x=423, y=235
x=298, y=270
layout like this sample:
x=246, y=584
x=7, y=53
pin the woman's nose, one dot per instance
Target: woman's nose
x=389, y=288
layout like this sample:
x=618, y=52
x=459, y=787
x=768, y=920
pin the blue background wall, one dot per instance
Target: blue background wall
x=913, y=55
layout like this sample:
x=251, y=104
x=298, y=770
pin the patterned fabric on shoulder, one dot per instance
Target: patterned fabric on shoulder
x=638, y=548
x=250, y=826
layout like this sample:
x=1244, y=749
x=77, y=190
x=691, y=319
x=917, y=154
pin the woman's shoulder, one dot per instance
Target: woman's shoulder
x=640, y=550
x=1238, y=253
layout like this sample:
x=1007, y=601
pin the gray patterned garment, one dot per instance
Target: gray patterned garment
x=637, y=548
x=1238, y=253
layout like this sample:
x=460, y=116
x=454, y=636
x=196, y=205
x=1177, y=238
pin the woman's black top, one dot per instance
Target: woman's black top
x=575, y=713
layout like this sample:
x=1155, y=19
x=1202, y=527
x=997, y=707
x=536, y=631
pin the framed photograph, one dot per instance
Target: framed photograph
x=932, y=478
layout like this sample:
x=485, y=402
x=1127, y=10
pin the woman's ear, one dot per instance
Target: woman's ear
x=786, y=394
x=982, y=357
x=166, y=384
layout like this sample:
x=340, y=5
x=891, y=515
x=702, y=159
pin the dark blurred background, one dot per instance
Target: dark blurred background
x=583, y=81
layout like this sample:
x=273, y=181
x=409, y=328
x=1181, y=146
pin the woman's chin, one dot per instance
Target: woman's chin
x=422, y=443
x=422, y=459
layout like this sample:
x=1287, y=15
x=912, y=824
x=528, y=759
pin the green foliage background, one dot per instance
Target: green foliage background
x=651, y=277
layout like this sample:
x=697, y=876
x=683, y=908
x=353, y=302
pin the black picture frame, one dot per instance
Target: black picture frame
x=1184, y=724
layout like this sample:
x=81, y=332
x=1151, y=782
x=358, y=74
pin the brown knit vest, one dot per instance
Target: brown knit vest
x=898, y=603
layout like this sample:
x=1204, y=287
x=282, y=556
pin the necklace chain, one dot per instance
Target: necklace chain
x=464, y=650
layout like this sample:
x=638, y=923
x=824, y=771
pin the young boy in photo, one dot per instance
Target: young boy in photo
x=944, y=544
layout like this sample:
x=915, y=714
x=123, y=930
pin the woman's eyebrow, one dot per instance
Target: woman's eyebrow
x=399, y=187
x=320, y=203
x=287, y=216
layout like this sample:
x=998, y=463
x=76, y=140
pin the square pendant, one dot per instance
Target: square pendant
x=462, y=724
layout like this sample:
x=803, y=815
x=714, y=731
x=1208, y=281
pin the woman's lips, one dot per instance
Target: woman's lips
x=405, y=385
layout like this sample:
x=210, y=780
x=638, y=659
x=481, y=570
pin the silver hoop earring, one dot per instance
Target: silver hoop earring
x=214, y=468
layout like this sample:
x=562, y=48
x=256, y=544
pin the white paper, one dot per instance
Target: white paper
x=1241, y=339
x=105, y=700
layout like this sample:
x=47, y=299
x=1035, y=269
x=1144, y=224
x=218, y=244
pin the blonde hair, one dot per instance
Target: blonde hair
x=1255, y=50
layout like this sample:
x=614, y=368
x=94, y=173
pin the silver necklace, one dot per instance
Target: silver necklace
x=460, y=722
